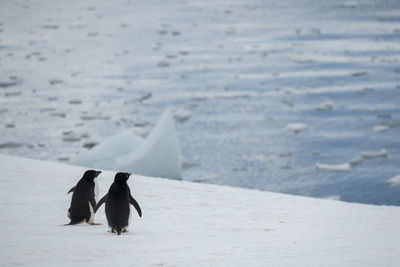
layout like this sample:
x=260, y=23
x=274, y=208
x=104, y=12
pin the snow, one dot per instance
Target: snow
x=160, y=154
x=186, y=224
x=394, y=181
x=157, y=155
x=334, y=167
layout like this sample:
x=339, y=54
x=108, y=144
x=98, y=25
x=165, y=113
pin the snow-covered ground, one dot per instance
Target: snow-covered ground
x=186, y=224
x=236, y=73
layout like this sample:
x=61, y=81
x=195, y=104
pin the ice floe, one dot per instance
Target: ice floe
x=375, y=154
x=181, y=114
x=394, y=181
x=297, y=127
x=334, y=167
x=381, y=128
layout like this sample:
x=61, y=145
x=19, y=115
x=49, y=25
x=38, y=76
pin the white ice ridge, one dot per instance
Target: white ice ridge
x=157, y=155
x=394, y=181
x=185, y=224
x=334, y=167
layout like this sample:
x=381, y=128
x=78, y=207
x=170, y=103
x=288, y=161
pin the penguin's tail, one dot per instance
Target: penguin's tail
x=72, y=222
x=117, y=228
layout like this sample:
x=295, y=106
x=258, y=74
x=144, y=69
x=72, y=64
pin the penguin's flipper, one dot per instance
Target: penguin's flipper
x=101, y=201
x=136, y=205
x=71, y=190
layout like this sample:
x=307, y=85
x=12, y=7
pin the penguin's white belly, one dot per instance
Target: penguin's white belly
x=96, y=190
x=91, y=219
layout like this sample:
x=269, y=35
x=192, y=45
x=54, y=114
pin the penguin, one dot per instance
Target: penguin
x=84, y=199
x=117, y=202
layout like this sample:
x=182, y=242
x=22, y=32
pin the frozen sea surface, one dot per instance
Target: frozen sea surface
x=74, y=73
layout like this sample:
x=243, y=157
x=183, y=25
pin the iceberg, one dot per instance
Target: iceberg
x=157, y=155
x=160, y=154
x=103, y=155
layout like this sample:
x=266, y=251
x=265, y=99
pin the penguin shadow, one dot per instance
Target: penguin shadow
x=83, y=202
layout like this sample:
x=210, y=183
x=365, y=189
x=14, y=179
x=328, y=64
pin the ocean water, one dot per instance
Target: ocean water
x=73, y=74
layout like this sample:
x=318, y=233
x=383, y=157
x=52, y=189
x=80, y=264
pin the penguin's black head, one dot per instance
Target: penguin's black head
x=121, y=177
x=91, y=174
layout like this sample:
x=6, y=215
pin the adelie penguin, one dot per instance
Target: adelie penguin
x=117, y=202
x=84, y=197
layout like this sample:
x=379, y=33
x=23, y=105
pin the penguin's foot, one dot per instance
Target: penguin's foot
x=125, y=230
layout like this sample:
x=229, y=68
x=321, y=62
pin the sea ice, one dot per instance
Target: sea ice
x=334, y=167
x=296, y=127
x=381, y=128
x=160, y=153
x=394, y=181
x=356, y=160
x=324, y=106
x=375, y=154
x=181, y=114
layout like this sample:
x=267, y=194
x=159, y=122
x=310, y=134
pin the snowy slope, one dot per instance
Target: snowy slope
x=187, y=224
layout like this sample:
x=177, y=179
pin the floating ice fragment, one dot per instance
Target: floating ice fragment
x=394, y=181
x=334, y=167
x=381, y=128
x=355, y=161
x=374, y=154
x=181, y=114
x=296, y=127
x=324, y=106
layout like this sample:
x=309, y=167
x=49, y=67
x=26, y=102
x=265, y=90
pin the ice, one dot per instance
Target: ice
x=296, y=127
x=160, y=154
x=381, y=128
x=394, y=181
x=334, y=167
x=375, y=154
x=181, y=114
x=104, y=155
x=356, y=160
x=157, y=155
x=324, y=106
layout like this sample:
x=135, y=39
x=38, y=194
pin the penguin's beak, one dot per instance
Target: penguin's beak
x=127, y=174
x=98, y=173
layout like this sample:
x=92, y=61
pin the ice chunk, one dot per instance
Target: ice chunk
x=324, y=106
x=375, y=154
x=159, y=155
x=334, y=167
x=296, y=127
x=381, y=128
x=333, y=197
x=394, y=181
x=103, y=156
x=355, y=161
x=181, y=114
